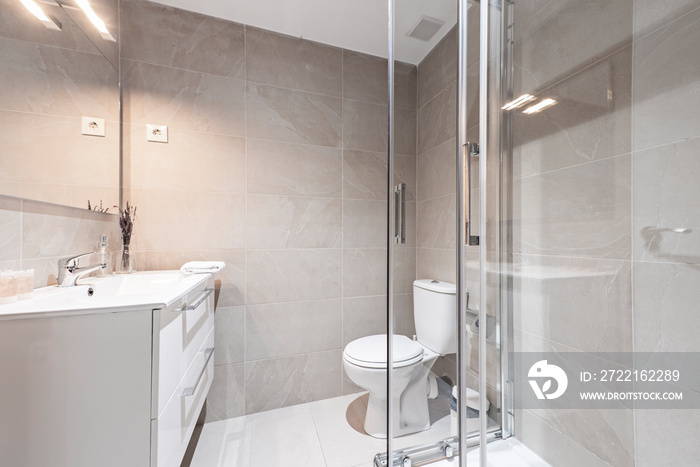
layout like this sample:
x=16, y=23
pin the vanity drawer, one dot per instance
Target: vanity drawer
x=179, y=332
x=172, y=431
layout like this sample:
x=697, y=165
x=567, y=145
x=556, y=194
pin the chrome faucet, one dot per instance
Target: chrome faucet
x=69, y=272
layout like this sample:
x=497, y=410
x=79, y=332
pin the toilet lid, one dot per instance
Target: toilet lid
x=370, y=351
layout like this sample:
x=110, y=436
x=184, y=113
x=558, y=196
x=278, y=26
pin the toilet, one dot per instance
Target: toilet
x=365, y=361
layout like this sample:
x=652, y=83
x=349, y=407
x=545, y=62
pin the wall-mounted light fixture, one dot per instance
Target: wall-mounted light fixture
x=519, y=102
x=540, y=106
x=46, y=20
x=95, y=20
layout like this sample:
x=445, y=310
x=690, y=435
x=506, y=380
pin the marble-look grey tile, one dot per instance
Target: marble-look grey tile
x=436, y=171
x=665, y=198
x=279, y=114
x=275, y=276
x=434, y=263
x=363, y=316
x=230, y=338
x=225, y=442
x=226, y=397
x=281, y=382
x=219, y=164
x=285, y=329
x=364, y=272
x=365, y=78
x=439, y=68
x=364, y=175
x=436, y=221
x=662, y=437
x=405, y=83
x=293, y=222
x=405, y=172
x=405, y=132
x=364, y=224
x=365, y=126
x=582, y=210
x=404, y=270
x=650, y=15
x=182, y=99
x=665, y=297
x=50, y=80
x=437, y=120
x=276, y=168
x=181, y=39
x=293, y=63
x=10, y=229
x=159, y=224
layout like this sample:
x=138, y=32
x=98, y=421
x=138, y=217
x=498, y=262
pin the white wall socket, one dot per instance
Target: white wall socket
x=93, y=126
x=157, y=133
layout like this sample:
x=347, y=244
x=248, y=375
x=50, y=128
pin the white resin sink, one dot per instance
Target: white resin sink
x=118, y=292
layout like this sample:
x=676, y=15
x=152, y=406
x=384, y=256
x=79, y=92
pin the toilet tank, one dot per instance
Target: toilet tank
x=435, y=314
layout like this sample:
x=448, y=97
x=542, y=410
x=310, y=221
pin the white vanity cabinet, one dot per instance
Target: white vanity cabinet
x=107, y=386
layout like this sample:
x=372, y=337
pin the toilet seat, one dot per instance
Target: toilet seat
x=370, y=351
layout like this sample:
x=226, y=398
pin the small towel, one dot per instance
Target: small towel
x=202, y=267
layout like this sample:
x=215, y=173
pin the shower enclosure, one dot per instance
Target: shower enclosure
x=556, y=147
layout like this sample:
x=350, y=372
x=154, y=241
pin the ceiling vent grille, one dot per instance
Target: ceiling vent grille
x=426, y=28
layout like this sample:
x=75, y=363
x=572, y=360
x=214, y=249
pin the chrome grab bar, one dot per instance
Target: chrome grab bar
x=469, y=150
x=204, y=296
x=188, y=391
x=400, y=213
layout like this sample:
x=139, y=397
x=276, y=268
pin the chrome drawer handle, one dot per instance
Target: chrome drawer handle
x=204, y=296
x=190, y=390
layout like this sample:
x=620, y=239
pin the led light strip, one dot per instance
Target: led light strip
x=539, y=107
x=46, y=20
x=95, y=20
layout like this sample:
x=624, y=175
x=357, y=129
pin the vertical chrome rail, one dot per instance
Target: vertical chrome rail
x=483, y=258
x=389, y=242
x=462, y=231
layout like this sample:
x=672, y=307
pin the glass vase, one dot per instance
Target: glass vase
x=126, y=262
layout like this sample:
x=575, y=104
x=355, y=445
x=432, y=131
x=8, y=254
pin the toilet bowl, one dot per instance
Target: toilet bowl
x=365, y=361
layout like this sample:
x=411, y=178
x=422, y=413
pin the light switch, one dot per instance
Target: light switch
x=93, y=126
x=157, y=133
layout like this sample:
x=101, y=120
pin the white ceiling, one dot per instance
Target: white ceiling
x=359, y=25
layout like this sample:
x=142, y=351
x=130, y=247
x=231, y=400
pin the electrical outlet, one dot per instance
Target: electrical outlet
x=93, y=126
x=157, y=133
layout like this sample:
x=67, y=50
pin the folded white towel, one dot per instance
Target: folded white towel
x=202, y=267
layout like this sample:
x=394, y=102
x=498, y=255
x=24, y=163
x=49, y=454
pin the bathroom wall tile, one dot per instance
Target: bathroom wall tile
x=583, y=303
x=16, y=23
x=405, y=132
x=293, y=63
x=283, y=329
x=226, y=397
x=663, y=437
x=215, y=221
x=437, y=120
x=405, y=83
x=49, y=80
x=230, y=327
x=404, y=323
x=363, y=316
x=292, y=116
x=564, y=40
x=275, y=276
x=437, y=171
x=195, y=42
x=364, y=224
x=45, y=269
x=182, y=99
x=404, y=270
x=10, y=229
x=365, y=126
x=665, y=298
x=218, y=161
x=364, y=175
x=552, y=445
x=433, y=263
x=25, y=158
x=592, y=119
x=293, y=222
x=364, y=272
x=365, y=78
x=650, y=15
x=437, y=222
x=439, y=68
x=108, y=12
x=405, y=172
x=582, y=210
x=293, y=169
x=229, y=282
x=281, y=382
x=665, y=198
x=411, y=228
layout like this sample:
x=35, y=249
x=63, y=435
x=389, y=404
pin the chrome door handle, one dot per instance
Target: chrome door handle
x=201, y=299
x=400, y=213
x=469, y=150
x=188, y=391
